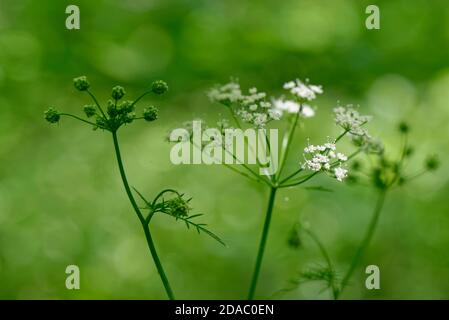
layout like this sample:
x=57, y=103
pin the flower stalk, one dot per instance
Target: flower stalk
x=120, y=113
x=143, y=221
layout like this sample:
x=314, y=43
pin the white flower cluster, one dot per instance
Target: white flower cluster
x=303, y=90
x=325, y=158
x=290, y=106
x=255, y=109
x=351, y=120
x=226, y=94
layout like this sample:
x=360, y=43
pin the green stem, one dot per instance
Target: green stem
x=286, y=144
x=145, y=226
x=98, y=105
x=305, y=179
x=262, y=244
x=365, y=242
x=77, y=118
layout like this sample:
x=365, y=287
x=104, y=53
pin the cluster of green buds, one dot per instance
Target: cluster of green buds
x=118, y=112
x=385, y=172
x=174, y=204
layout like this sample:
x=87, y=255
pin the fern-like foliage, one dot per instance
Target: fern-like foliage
x=317, y=273
x=177, y=207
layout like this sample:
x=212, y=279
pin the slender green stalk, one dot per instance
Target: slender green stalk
x=262, y=244
x=286, y=144
x=142, y=220
x=77, y=118
x=365, y=242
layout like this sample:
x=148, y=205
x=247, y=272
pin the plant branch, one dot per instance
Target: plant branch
x=97, y=104
x=262, y=244
x=77, y=118
x=365, y=242
x=286, y=144
x=142, y=220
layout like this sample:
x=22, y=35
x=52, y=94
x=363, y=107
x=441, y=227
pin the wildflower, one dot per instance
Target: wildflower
x=324, y=158
x=255, y=109
x=81, y=83
x=90, y=110
x=52, y=115
x=150, y=113
x=118, y=92
x=351, y=120
x=340, y=173
x=159, y=87
x=226, y=94
x=289, y=106
x=303, y=90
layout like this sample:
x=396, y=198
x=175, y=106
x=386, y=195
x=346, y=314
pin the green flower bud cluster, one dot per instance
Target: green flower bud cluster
x=386, y=171
x=52, y=115
x=118, y=92
x=120, y=113
x=150, y=113
x=90, y=110
x=81, y=83
x=177, y=207
x=117, y=113
x=159, y=87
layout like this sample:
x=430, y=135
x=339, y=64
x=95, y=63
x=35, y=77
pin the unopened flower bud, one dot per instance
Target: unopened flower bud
x=81, y=83
x=52, y=115
x=90, y=110
x=150, y=113
x=159, y=87
x=118, y=92
x=178, y=207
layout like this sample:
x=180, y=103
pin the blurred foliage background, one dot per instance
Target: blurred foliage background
x=61, y=198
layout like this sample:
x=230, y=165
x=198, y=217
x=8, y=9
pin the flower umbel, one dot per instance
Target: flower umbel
x=81, y=83
x=52, y=115
x=118, y=92
x=303, y=90
x=159, y=87
x=325, y=158
x=117, y=113
x=351, y=120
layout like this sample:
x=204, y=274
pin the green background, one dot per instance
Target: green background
x=61, y=198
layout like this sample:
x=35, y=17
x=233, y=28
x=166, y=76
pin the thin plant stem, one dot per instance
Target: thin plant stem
x=77, y=118
x=291, y=176
x=256, y=177
x=365, y=242
x=307, y=178
x=286, y=144
x=239, y=125
x=140, y=97
x=142, y=220
x=262, y=244
x=96, y=102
